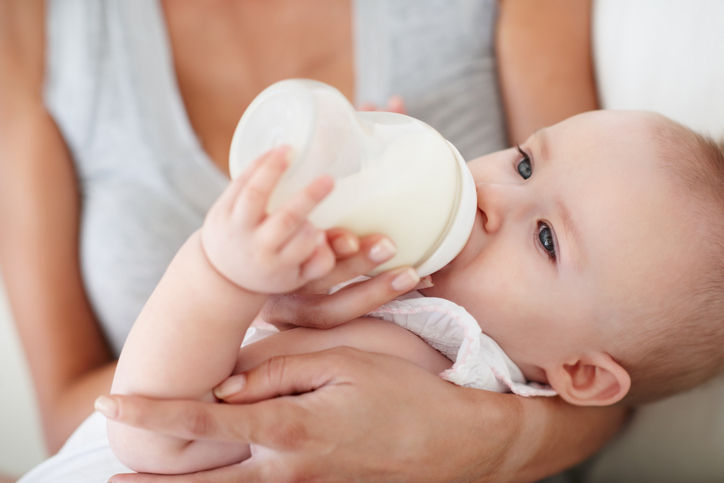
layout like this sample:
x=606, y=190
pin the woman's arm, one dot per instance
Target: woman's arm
x=553, y=435
x=353, y=414
x=39, y=214
x=543, y=51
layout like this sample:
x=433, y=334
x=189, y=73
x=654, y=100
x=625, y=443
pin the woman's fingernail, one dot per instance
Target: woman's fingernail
x=345, y=245
x=425, y=282
x=106, y=406
x=230, y=386
x=382, y=250
x=406, y=280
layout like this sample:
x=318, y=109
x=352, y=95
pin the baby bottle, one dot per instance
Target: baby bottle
x=393, y=174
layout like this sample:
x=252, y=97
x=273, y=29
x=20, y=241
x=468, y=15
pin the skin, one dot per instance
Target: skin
x=40, y=213
x=551, y=306
x=40, y=206
x=72, y=363
x=185, y=342
x=252, y=45
x=302, y=447
x=609, y=260
x=543, y=48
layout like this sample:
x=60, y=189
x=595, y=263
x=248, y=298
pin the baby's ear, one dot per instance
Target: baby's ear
x=595, y=379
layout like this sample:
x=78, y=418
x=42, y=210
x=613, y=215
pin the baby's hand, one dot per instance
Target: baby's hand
x=267, y=253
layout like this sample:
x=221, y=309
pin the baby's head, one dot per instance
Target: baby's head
x=597, y=257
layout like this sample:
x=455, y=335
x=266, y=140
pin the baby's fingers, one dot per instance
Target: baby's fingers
x=319, y=264
x=250, y=205
x=302, y=245
x=281, y=226
x=227, y=199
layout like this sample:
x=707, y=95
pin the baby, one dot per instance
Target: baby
x=596, y=263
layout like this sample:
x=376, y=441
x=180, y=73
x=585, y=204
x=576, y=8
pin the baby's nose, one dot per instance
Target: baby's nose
x=500, y=203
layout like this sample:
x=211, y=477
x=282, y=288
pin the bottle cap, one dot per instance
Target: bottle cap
x=460, y=224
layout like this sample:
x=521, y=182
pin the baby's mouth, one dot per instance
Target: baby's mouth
x=476, y=239
x=470, y=248
x=484, y=217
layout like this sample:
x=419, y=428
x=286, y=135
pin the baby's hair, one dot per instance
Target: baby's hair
x=685, y=339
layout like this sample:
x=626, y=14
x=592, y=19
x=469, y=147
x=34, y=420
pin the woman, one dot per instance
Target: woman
x=134, y=107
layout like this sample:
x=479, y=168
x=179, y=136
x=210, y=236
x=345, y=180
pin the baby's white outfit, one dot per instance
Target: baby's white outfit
x=478, y=361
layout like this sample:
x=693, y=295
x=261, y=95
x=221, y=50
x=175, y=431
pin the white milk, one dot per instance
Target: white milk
x=393, y=174
x=403, y=194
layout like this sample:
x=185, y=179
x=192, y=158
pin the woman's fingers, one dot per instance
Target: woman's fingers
x=310, y=305
x=343, y=242
x=317, y=423
x=285, y=375
x=226, y=474
x=268, y=423
x=394, y=104
x=374, y=250
x=352, y=301
x=184, y=419
x=250, y=423
x=247, y=471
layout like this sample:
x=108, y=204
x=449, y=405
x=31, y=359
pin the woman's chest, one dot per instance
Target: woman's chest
x=223, y=58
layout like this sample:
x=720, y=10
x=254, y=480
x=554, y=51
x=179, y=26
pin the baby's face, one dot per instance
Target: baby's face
x=579, y=230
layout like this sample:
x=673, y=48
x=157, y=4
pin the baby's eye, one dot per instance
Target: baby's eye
x=524, y=167
x=545, y=237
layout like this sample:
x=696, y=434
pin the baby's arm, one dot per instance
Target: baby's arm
x=369, y=334
x=187, y=337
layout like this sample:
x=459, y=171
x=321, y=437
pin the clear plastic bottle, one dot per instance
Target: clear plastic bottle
x=393, y=174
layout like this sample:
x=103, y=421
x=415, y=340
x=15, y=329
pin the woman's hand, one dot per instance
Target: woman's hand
x=394, y=104
x=313, y=306
x=346, y=414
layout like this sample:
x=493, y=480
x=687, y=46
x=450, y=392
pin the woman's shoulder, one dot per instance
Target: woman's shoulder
x=21, y=50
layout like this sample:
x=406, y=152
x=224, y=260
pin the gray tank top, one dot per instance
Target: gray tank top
x=145, y=180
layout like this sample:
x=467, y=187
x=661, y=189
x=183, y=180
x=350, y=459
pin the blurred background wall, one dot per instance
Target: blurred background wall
x=21, y=445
